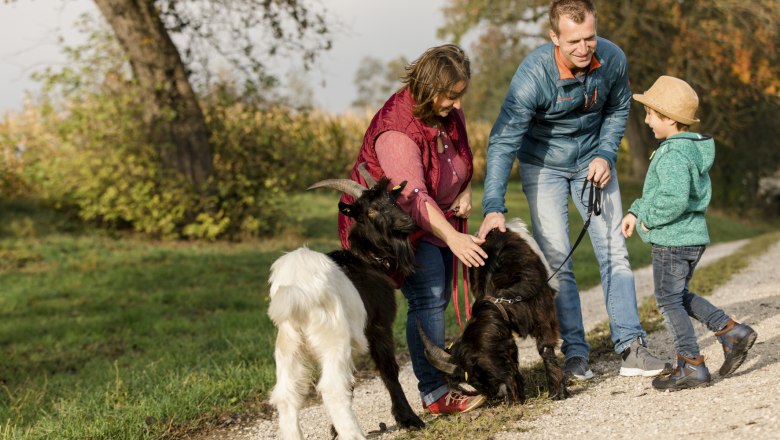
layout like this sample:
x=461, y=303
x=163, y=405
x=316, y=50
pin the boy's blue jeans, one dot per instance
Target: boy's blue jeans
x=673, y=268
x=427, y=293
x=548, y=191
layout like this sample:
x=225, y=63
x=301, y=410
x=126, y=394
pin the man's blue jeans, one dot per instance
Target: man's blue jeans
x=427, y=293
x=548, y=192
x=672, y=271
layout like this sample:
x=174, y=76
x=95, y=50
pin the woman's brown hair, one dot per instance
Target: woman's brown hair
x=435, y=72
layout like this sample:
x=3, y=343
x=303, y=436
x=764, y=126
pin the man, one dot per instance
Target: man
x=563, y=118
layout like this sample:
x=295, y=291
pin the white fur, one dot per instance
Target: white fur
x=320, y=318
x=517, y=226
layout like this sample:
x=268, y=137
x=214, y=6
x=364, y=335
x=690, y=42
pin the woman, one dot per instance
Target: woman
x=419, y=136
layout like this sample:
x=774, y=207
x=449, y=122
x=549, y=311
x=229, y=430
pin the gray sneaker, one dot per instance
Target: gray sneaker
x=639, y=361
x=578, y=368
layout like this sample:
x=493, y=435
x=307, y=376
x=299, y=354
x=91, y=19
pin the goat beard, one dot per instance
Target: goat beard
x=404, y=253
x=397, y=252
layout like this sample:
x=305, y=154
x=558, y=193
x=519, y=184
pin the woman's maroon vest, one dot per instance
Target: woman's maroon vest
x=396, y=115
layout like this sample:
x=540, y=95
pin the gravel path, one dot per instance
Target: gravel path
x=744, y=405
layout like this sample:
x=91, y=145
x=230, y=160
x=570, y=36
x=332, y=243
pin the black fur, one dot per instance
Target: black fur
x=379, y=244
x=486, y=353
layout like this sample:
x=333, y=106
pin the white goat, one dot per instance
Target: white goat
x=320, y=317
x=329, y=307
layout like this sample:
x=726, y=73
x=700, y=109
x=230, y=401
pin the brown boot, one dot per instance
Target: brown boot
x=736, y=339
x=690, y=373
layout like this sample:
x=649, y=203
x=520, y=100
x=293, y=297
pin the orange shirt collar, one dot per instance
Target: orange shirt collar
x=564, y=72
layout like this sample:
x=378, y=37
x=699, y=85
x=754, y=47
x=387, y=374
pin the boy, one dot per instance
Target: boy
x=670, y=216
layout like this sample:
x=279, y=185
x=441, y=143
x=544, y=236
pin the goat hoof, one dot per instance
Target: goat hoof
x=412, y=424
x=563, y=393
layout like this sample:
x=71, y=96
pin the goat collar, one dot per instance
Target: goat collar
x=382, y=261
x=497, y=302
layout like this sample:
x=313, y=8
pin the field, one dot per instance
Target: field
x=115, y=336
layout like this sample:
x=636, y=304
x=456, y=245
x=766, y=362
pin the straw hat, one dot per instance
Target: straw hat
x=673, y=98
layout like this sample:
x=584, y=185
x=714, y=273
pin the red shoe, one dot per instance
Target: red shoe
x=455, y=402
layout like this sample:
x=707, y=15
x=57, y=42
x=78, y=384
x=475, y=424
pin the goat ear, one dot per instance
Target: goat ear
x=348, y=210
x=397, y=190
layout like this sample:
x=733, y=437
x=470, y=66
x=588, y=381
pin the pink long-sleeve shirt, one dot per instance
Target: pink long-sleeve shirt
x=400, y=159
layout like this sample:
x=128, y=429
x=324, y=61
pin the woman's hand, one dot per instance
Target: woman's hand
x=466, y=248
x=462, y=204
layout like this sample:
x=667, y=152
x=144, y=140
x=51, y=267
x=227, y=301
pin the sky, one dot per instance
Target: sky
x=383, y=29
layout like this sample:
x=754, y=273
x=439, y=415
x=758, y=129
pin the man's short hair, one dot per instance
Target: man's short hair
x=577, y=10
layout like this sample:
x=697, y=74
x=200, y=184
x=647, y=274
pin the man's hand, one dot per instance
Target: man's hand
x=492, y=220
x=599, y=172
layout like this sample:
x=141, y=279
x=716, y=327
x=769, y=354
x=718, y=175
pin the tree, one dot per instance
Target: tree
x=735, y=65
x=375, y=82
x=496, y=55
x=144, y=29
x=506, y=30
x=726, y=49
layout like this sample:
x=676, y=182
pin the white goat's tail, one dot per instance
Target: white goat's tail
x=310, y=290
x=517, y=226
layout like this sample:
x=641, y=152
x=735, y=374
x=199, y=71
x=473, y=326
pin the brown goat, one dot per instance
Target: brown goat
x=512, y=297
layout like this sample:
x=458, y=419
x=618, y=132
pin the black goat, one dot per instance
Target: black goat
x=512, y=296
x=327, y=306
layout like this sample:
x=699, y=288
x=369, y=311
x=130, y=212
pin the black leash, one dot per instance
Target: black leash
x=594, y=208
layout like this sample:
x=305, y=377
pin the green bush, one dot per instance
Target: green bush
x=90, y=159
x=91, y=156
x=263, y=154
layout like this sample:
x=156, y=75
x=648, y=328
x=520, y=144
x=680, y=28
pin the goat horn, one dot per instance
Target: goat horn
x=436, y=355
x=366, y=175
x=344, y=185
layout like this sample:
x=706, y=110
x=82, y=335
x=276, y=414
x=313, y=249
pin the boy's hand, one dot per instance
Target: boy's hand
x=628, y=224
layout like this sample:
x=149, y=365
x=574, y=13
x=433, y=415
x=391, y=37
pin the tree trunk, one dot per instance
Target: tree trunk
x=176, y=123
x=639, y=144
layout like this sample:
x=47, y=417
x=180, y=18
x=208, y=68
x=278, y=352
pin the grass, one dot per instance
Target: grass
x=123, y=338
x=114, y=336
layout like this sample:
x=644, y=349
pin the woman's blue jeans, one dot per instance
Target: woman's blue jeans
x=427, y=293
x=548, y=191
x=673, y=268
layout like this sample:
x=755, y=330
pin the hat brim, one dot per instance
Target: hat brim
x=644, y=99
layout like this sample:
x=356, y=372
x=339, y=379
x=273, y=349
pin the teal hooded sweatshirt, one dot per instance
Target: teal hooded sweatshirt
x=677, y=192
